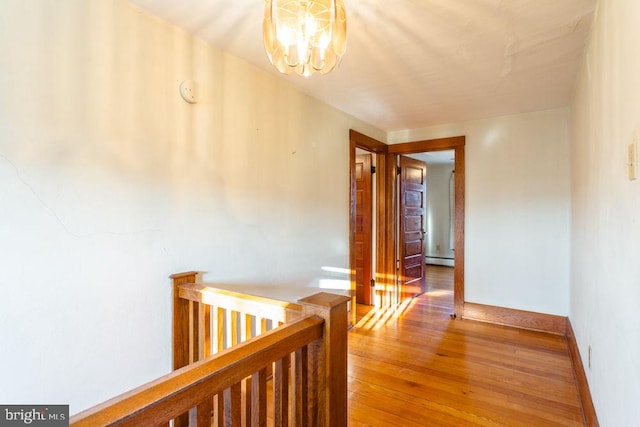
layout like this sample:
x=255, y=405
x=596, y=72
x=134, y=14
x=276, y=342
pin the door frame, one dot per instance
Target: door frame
x=379, y=149
x=386, y=204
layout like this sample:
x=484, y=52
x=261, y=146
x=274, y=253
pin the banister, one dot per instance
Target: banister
x=177, y=392
x=303, y=357
x=280, y=311
x=234, y=317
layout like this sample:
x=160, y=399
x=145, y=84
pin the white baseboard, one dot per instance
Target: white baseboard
x=439, y=261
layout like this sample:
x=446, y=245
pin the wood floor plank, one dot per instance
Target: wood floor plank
x=472, y=396
x=499, y=356
x=417, y=366
x=446, y=369
x=427, y=412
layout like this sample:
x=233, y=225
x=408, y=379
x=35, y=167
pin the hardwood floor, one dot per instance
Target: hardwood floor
x=418, y=367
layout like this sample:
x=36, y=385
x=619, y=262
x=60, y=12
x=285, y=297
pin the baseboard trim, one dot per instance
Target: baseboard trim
x=588, y=410
x=447, y=262
x=517, y=318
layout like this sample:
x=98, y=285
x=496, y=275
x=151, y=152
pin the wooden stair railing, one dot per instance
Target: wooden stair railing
x=207, y=320
x=305, y=359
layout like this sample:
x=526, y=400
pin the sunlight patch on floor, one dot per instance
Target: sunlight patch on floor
x=377, y=318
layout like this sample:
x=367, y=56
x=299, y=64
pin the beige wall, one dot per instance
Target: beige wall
x=605, y=232
x=517, y=208
x=110, y=182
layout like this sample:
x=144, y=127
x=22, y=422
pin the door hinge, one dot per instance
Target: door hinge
x=399, y=170
x=373, y=283
x=373, y=169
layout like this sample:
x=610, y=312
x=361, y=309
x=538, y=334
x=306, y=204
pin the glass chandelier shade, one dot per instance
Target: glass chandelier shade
x=305, y=36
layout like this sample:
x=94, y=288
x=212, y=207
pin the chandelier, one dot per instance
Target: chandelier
x=305, y=36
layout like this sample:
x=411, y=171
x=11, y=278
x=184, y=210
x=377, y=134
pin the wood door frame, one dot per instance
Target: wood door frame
x=386, y=236
x=378, y=148
x=364, y=210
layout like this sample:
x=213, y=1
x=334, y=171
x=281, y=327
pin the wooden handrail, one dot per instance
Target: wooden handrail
x=167, y=397
x=273, y=309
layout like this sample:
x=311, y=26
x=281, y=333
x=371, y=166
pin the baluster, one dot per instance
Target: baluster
x=204, y=412
x=204, y=331
x=300, y=381
x=247, y=401
x=234, y=327
x=232, y=408
x=261, y=325
x=193, y=339
x=315, y=382
x=229, y=335
x=259, y=399
x=220, y=329
x=220, y=408
x=245, y=327
x=281, y=391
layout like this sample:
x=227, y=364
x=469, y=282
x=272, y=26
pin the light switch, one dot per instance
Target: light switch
x=633, y=161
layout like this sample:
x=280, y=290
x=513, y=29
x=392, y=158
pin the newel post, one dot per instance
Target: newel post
x=180, y=330
x=330, y=356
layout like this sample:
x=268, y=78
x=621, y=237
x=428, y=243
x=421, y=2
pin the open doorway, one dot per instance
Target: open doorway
x=438, y=222
x=387, y=287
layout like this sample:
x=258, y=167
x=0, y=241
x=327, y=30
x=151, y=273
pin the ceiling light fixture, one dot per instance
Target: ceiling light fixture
x=305, y=36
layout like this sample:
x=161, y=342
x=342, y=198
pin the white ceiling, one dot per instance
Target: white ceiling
x=435, y=157
x=415, y=63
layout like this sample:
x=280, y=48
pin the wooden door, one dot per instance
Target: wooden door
x=364, y=214
x=412, y=205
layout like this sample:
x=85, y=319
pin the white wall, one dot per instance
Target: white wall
x=517, y=208
x=438, y=210
x=109, y=183
x=605, y=233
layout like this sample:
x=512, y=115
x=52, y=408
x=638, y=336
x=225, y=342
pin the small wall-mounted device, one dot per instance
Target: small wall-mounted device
x=188, y=91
